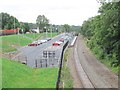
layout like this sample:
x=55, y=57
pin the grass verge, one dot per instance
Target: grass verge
x=66, y=80
x=16, y=75
x=11, y=42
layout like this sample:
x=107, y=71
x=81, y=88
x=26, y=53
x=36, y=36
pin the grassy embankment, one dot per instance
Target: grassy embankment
x=66, y=80
x=104, y=58
x=11, y=42
x=16, y=75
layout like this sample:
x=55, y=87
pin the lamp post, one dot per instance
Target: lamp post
x=45, y=31
x=51, y=30
x=18, y=36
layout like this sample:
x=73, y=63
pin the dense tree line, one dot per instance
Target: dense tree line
x=8, y=22
x=103, y=32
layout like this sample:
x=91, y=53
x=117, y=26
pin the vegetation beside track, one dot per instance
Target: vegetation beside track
x=66, y=80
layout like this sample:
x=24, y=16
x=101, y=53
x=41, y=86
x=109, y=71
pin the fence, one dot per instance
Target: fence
x=48, y=59
x=60, y=67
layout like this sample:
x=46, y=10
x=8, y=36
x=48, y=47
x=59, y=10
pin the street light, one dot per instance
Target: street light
x=18, y=36
x=46, y=31
x=51, y=30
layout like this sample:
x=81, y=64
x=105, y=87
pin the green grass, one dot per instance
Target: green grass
x=34, y=35
x=49, y=34
x=16, y=75
x=66, y=77
x=11, y=42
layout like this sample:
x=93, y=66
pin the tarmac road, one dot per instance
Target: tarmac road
x=33, y=53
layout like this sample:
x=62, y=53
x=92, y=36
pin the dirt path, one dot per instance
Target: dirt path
x=98, y=73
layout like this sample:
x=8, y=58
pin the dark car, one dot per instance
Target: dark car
x=48, y=39
x=62, y=40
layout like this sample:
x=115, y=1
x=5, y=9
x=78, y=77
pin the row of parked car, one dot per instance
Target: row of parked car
x=56, y=43
x=38, y=42
x=60, y=41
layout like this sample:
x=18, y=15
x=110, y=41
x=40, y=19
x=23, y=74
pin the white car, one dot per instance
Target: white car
x=42, y=41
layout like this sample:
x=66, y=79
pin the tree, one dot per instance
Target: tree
x=42, y=22
x=66, y=27
x=9, y=22
x=103, y=32
x=24, y=27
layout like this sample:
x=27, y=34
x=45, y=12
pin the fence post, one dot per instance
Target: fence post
x=36, y=63
x=41, y=63
x=46, y=62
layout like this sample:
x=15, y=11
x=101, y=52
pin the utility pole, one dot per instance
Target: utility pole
x=46, y=31
x=14, y=26
x=14, y=23
x=51, y=31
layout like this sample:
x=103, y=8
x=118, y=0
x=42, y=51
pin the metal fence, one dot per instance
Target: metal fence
x=45, y=62
x=48, y=59
x=60, y=66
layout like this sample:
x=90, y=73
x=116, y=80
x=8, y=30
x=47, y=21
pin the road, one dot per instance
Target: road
x=33, y=53
x=90, y=72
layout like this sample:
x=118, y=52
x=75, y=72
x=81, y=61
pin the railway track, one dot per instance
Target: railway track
x=83, y=76
x=91, y=72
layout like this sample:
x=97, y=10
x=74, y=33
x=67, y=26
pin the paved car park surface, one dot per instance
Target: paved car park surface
x=33, y=55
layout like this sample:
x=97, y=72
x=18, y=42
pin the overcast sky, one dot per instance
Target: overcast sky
x=72, y=12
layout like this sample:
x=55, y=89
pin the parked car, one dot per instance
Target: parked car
x=62, y=40
x=57, y=43
x=39, y=42
x=43, y=40
x=48, y=39
x=35, y=43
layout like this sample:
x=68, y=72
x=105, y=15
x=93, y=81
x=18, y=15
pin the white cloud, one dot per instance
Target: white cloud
x=57, y=11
